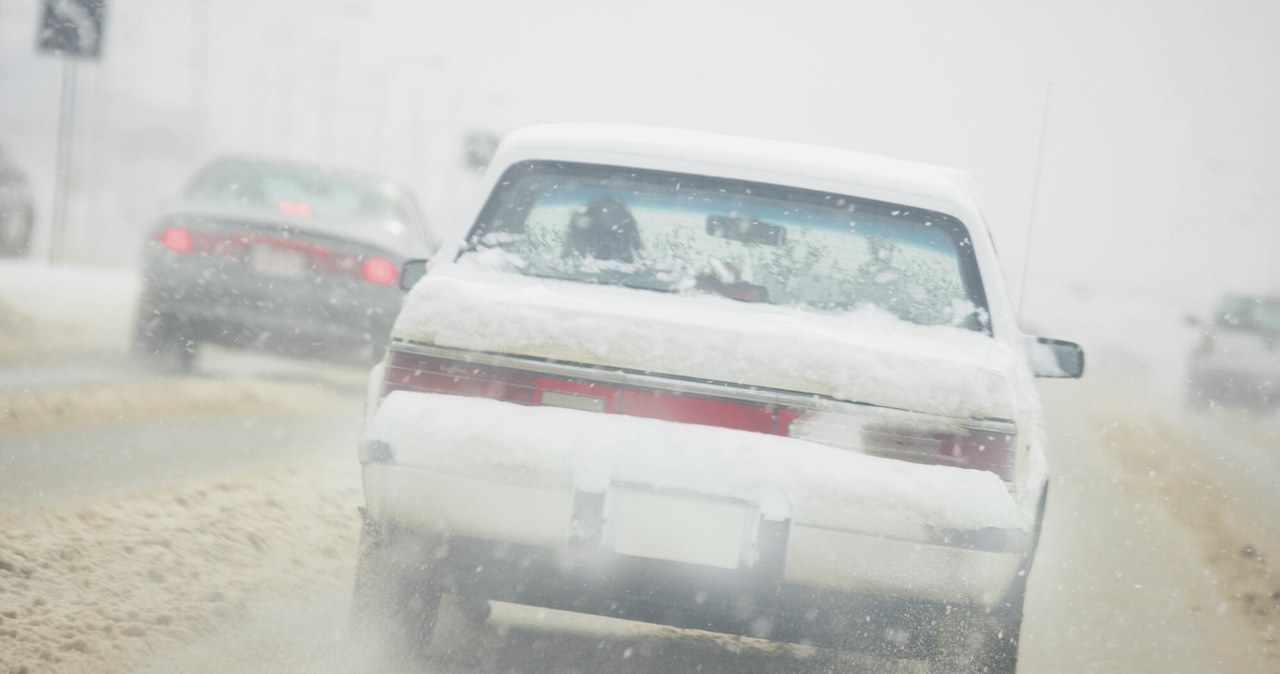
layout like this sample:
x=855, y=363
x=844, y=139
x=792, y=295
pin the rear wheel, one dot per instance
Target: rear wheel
x=160, y=343
x=396, y=600
x=971, y=641
x=974, y=642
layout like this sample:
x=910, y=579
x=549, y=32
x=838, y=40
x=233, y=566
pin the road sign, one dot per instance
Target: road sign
x=72, y=27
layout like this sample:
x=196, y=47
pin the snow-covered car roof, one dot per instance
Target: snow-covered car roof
x=768, y=161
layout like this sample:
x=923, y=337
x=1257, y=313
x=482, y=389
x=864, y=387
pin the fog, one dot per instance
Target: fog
x=1155, y=149
x=1124, y=157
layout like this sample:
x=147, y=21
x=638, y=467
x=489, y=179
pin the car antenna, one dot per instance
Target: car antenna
x=1035, y=194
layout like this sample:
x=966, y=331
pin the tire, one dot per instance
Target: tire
x=974, y=642
x=159, y=343
x=396, y=601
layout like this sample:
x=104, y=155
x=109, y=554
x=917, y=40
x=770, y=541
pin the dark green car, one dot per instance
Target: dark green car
x=288, y=258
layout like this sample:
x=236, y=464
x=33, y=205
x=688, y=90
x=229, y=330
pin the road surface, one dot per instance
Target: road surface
x=209, y=524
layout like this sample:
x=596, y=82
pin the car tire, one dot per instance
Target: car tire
x=160, y=343
x=396, y=601
x=975, y=642
x=972, y=641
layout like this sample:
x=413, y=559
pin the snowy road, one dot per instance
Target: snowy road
x=1129, y=579
x=1123, y=584
x=208, y=524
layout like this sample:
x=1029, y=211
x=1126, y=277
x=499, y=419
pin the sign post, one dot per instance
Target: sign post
x=72, y=29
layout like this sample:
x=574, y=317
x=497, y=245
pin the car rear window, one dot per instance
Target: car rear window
x=296, y=191
x=748, y=241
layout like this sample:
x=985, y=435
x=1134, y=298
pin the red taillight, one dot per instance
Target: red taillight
x=410, y=372
x=964, y=447
x=299, y=209
x=177, y=239
x=407, y=372
x=981, y=450
x=380, y=270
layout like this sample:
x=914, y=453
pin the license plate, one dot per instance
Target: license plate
x=676, y=528
x=272, y=261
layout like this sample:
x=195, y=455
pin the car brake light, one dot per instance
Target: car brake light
x=299, y=209
x=406, y=372
x=977, y=447
x=411, y=372
x=177, y=239
x=380, y=270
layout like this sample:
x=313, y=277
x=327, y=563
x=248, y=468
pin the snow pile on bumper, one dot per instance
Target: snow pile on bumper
x=863, y=356
x=561, y=450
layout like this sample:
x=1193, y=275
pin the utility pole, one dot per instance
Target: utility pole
x=73, y=30
x=62, y=170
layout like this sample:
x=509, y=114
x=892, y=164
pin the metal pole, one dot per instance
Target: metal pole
x=62, y=171
x=200, y=73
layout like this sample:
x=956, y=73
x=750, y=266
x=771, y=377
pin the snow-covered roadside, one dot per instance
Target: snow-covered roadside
x=154, y=401
x=1167, y=461
x=106, y=585
x=47, y=312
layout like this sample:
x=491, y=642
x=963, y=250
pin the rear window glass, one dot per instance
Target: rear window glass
x=747, y=241
x=294, y=191
x=1250, y=313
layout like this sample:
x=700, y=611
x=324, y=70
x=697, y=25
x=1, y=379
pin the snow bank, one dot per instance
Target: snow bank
x=34, y=410
x=104, y=586
x=859, y=357
x=54, y=310
x=562, y=449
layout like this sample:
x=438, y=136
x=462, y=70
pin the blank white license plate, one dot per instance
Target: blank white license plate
x=280, y=262
x=676, y=528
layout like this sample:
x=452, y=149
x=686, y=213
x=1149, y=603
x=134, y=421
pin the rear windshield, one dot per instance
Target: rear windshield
x=1250, y=313
x=296, y=191
x=747, y=241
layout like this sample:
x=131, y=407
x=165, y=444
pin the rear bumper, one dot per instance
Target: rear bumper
x=239, y=310
x=814, y=520
x=819, y=559
x=748, y=602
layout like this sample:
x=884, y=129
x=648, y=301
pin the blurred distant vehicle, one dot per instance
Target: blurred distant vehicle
x=17, y=208
x=1238, y=360
x=290, y=258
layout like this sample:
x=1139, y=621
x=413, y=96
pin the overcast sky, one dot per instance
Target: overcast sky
x=1158, y=177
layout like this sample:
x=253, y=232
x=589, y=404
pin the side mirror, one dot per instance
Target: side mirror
x=1054, y=358
x=411, y=273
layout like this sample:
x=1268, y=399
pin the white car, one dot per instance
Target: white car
x=748, y=386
